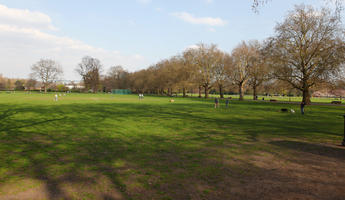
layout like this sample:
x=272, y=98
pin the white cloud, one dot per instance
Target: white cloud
x=193, y=46
x=144, y=1
x=25, y=18
x=208, y=1
x=210, y=21
x=24, y=41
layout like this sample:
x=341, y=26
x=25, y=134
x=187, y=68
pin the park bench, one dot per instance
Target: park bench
x=273, y=100
x=336, y=102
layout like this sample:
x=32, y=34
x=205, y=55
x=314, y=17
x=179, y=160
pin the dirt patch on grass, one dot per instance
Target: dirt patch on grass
x=314, y=172
x=64, y=188
x=24, y=189
x=289, y=170
x=303, y=171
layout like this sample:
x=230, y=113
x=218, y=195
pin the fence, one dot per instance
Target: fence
x=121, y=91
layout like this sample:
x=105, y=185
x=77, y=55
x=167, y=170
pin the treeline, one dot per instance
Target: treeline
x=17, y=84
x=306, y=53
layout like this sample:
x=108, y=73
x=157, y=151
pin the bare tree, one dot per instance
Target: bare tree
x=259, y=71
x=90, y=70
x=339, y=4
x=243, y=57
x=308, y=48
x=189, y=57
x=9, y=85
x=221, y=71
x=2, y=82
x=205, y=58
x=19, y=85
x=47, y=71
x=257, y=3
x=168, y=69
x=185, y=72
x=116, y=78
x=30, y=84
x=116, y=72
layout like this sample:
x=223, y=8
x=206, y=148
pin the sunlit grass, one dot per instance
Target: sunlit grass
x=148, y=145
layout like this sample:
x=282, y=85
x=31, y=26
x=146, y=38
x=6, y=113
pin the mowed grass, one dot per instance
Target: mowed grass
x=319, y=100
x=102, y=146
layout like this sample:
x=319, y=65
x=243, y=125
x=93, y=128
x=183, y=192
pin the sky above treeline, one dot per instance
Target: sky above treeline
x=131, y=33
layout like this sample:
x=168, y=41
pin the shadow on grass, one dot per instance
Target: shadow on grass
x=138, y=147
x=62, y=150
x=6, y=126
x=317, y=149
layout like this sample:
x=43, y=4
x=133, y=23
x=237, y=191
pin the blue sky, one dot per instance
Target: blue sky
x=132, y=33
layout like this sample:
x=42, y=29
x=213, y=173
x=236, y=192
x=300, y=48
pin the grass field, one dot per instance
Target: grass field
x=101, y=146
x=279, y=98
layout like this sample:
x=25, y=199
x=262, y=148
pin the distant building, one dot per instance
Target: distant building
x=71, y=84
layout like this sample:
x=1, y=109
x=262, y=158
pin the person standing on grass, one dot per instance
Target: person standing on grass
x=56, y=97
x=227, y=101
x=302, y=108
x=216, y=103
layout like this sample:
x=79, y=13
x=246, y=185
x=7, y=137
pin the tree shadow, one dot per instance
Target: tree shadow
x=55, y=151
x=317, y=149
x=82, y=143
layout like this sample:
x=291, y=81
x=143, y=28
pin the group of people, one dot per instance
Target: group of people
x=56, y=96
x=216, y=102
x=227, y=101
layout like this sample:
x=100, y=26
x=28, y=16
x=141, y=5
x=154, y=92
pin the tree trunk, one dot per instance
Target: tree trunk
x=206, y=91
x=221, y=91
x=254, y=93
x=170, y=92
x=184, y=92
x=200, y=87
x=45, y=88
x=306, y=96
x=240, y=91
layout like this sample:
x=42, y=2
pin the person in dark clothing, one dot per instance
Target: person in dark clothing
x=216, y=103
x=227, y=101
x=302, y=108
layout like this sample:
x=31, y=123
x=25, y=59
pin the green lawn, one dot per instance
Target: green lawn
x=279, y=98
x=102, y=146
